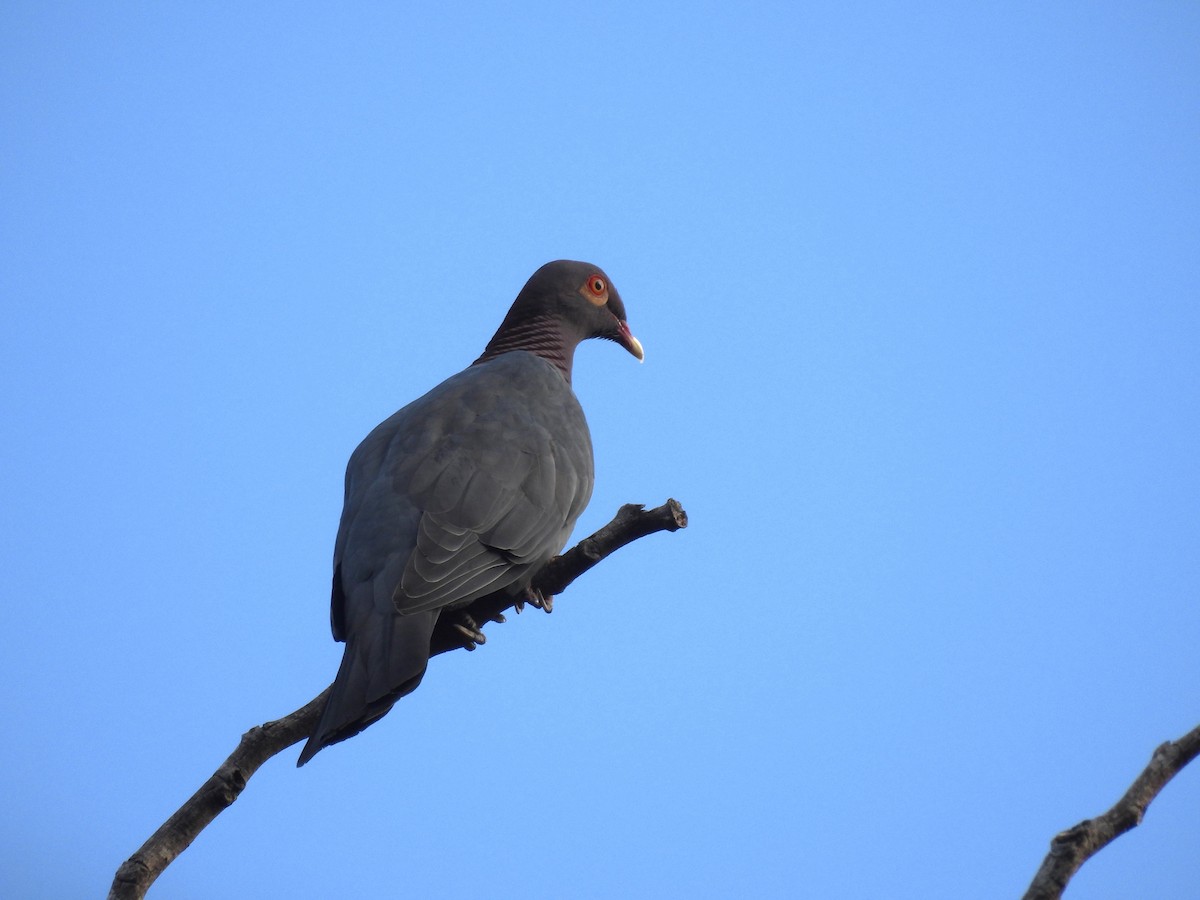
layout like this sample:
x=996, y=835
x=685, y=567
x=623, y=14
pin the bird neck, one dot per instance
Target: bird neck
x=541, y=335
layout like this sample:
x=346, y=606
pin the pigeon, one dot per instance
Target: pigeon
x=465, y=492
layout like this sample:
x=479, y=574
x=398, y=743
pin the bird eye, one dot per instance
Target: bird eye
x=596, y=285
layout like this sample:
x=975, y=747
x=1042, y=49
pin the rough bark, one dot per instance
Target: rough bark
x=1072, y=848
x=260, y=743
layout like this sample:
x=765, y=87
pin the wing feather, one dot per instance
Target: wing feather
x=466, y=491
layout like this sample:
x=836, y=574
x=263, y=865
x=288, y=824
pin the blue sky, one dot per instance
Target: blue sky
x=918, y=286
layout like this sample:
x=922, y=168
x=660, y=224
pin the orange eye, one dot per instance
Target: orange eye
x=596, y=285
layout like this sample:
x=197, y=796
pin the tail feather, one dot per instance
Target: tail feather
x=378, y=668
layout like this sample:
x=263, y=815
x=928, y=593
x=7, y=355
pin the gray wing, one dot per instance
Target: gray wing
x=496, y=504
x=467, y=491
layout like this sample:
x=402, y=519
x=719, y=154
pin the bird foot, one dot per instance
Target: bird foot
x=469, y=629
x=535, y=598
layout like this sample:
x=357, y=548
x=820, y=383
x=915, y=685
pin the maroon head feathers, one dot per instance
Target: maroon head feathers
x=563, y=303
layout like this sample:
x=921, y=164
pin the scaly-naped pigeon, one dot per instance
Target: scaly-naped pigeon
x=467, y=491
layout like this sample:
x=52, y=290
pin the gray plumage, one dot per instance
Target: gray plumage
x=466, y=491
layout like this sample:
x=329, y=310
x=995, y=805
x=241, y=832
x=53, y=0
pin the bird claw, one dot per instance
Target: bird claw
x=538, y=599
x=469, y=629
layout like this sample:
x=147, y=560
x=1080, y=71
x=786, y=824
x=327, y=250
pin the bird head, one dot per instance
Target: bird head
x=563, y=303
x=600, y=315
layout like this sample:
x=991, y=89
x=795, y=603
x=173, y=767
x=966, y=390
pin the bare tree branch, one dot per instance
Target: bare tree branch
x=257, y=745
x=260, y=743
x=631, y=522
x=1073, y=847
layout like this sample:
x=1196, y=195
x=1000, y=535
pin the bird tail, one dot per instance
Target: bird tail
x=378, y=668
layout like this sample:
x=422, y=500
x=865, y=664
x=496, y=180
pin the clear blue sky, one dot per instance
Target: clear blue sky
x=919, y=287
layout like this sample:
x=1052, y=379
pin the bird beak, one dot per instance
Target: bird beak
x=626, y=339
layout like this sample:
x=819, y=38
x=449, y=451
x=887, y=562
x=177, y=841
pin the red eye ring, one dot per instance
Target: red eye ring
x=596, y=285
